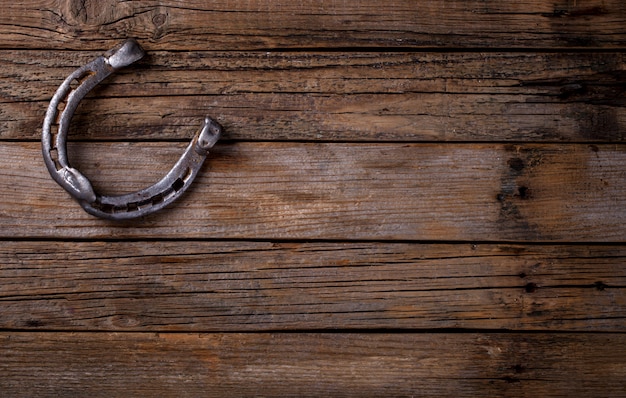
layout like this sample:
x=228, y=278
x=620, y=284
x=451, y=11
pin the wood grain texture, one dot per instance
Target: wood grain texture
x=252, y=286
x=330, y=96
x=335, y=191
x=232, y=25
x=437, y=187
x=311, y=365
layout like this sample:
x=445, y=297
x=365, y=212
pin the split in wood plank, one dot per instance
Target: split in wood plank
x=329, y=96
x=232, y=25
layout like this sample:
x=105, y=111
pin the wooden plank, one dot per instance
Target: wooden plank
x=253, y=286
x=330, y=96
x=312, y=365
x=335, y=191
x=226, y=25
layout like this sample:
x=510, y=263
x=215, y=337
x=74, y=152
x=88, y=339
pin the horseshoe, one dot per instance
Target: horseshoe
x=56, y=125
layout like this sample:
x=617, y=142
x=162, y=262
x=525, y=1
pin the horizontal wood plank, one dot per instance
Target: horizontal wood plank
x=312, y=365
x=226, y=25
x=329, y=96
x=252, y=286
x=335, y=191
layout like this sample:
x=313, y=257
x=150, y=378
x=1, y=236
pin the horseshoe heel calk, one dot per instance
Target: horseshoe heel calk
x=54, y=133
x=79, y=185
x=210, y=133
x=125, y=54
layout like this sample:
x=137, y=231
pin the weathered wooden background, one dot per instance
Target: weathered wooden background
x=412, y=198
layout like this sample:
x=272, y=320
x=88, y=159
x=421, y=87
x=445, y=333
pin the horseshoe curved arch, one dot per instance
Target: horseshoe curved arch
x=54, y=148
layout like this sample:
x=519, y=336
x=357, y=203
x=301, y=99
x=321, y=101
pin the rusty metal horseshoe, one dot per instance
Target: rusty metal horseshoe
x=54, y=134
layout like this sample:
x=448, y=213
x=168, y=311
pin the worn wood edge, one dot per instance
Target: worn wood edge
x=226, y=25
x=449, y=192
x=339, y=365
x=295, y=96
x=253, y=286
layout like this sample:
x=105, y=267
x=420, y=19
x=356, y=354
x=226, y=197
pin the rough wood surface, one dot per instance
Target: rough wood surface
x=312, y=365
x=336, y=191
x=440, y=183
x=330, y=96
x=257, y=24
x=252, y=286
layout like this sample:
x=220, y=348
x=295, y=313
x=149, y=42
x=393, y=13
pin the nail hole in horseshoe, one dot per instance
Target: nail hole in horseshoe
x=180, y=181
x=169, y=192
x=105, y=208
x=54, y=131
x=80, y=79
x=187, y=174
x=178, y=184
x=74, y=84
x=120, y=209
x=54, y=155
x=156, y=199
x=144, y=203
x=57, y=116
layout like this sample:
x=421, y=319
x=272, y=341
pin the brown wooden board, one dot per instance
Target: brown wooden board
x=448, y=192
x=311, y=365
x=231, y=25
x=252, y=286
x=329, y=96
